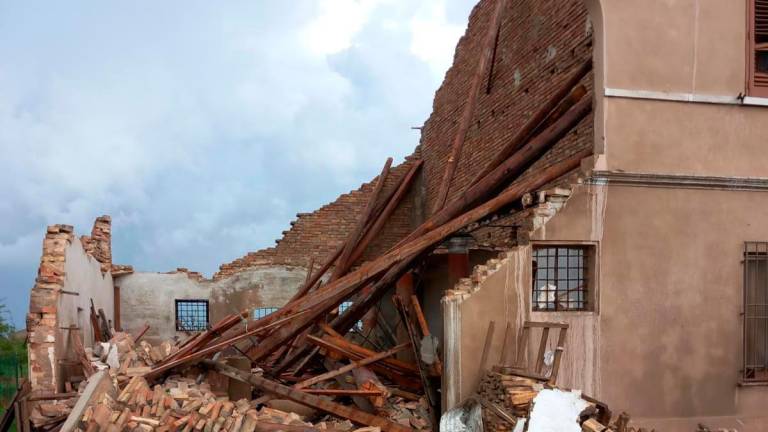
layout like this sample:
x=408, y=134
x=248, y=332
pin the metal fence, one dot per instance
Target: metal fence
x=13, y=366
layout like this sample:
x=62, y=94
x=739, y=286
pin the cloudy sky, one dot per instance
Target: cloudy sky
x=202, y=127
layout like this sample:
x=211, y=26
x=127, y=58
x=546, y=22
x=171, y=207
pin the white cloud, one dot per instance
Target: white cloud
x=431, y=31
x=336, y=24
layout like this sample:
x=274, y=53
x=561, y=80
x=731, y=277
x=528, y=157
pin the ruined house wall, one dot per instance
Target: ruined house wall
x=65, y=265
x=83, y=276
x=150, y=297
x=500, y=291
x=540, y=42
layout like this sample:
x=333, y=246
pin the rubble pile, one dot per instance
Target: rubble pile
x=509, y=400
x=181, y=404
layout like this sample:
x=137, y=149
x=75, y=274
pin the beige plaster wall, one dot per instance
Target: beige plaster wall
x=689, y=46
x=150, y=297
x=83, y=276
x=648, y=136
x=670, y=327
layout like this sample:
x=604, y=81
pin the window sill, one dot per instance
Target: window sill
x=753, y=383
x=566, y=313
x=755, y=101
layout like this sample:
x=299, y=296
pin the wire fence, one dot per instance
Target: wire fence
x=13, y=367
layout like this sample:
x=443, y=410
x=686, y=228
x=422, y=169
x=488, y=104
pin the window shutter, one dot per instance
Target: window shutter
x=758, y=85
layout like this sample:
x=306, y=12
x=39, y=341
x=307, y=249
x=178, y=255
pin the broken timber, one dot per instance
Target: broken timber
x=309, y=400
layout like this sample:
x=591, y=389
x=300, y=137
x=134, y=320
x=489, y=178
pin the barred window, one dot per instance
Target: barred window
x=560, y=278
x=191, y=315
x=755, y=312
x=261, y=312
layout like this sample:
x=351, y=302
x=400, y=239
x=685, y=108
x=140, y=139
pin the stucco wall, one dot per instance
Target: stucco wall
x=150, y=297
x=83, y=276
x=670, y=334
x=691, y=46
x=686, y=138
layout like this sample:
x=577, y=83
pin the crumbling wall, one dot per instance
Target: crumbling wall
x=489, y=295
x=500, y=291
x=150, y=297
x=83, y=276
x=68, y=277
x=539, y=44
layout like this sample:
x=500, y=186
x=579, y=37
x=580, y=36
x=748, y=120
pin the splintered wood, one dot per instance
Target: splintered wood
x=180, y=404
x=508, y=399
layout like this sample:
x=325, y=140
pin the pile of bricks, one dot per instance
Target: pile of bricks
x=180, y=404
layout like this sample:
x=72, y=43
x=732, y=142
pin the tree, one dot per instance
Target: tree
x=8, y=343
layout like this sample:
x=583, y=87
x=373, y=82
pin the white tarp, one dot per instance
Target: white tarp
x=556, y=411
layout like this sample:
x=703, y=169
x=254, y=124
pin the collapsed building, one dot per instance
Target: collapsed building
x=594, y=166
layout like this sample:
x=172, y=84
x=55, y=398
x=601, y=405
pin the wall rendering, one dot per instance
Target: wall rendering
x=150, y=297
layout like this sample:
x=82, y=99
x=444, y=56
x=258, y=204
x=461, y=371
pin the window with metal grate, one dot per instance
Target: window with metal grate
x=560, y=278
x=192, y=315
x=755, y=312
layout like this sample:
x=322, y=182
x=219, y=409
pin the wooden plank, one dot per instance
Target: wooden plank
x=354, y=364
x=344, y=262
x=565, y=97
x=558, y=356
x=82, y=357
x=397, y=376
x=394, y=201
x=342, y=392
x=429, y=392
x=394, y=262
x=217, y=347
x=483, y=188
x=487, y=346
x=116, y=308
x=98, y=384
x=309, y=400
x=419, y=315
x=542, y=350
x=470, y=105
x=12, y=410
x=507, y=345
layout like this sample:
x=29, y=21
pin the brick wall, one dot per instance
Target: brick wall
x=42, y=325
x=43, y=318
x=99, y=243
x=540, y=42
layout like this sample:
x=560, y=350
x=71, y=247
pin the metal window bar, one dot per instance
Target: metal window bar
x=755, y=312
x=560, y=278
x=261, y=312
x=192, y=315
